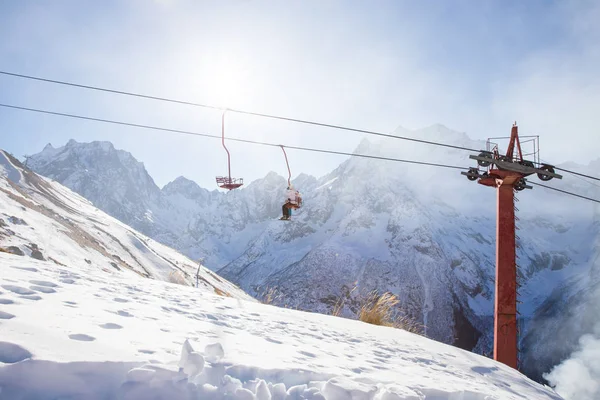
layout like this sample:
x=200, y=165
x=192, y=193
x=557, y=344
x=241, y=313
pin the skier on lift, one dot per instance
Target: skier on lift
x=293, y=199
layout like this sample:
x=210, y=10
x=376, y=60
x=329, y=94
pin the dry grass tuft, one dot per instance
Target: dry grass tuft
x=378, y=309
x=381, y=310
x=221, y=292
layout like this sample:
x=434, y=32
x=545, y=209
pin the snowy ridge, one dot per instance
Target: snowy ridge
x=115, y=336
x=44, y=220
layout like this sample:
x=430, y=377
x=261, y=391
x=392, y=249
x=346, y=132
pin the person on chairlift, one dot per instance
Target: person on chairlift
x=293, y=199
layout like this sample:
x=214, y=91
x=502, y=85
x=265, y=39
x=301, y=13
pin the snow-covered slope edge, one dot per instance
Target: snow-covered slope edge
x=42, y=219
x=76, y=332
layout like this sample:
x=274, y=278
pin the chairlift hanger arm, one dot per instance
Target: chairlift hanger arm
x=223, y=142
x=287, y=164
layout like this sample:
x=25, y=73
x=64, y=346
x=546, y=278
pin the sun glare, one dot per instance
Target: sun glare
x=227, y=83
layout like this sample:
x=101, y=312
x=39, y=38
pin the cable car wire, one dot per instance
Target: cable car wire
x=578, y=173
x=564, y=191
x=586, y=181
x=111, y=90
x=256, y=114
x=108, y=121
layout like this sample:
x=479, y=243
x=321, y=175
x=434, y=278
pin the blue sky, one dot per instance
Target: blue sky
x=473, y=66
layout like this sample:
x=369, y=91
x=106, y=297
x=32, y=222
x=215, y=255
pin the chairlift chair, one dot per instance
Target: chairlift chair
x=227, y=182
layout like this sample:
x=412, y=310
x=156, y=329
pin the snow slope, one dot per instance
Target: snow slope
x=80, y=332
x=45, y=220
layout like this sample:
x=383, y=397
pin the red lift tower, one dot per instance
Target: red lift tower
x=507, y=173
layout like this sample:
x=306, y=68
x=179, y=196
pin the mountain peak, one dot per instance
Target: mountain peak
x=183, y=180
x=180, y=182
x=184, y=186
x=438, y=127
x=272, y=175
x=363, y=147
x=90, y=168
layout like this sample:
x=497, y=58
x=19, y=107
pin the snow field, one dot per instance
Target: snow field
x=83, y=333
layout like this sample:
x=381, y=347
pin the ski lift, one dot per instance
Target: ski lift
x=293, y=199
x=227, y=182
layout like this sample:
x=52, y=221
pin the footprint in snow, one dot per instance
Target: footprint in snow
x=124, y=313
x=43, y=289
x=68, y=281
x=273, y=341
x=6, y=301
x=381, y=354
x=110, y=325
x=11, y=353
x=43, y=283
x=146, y=351
x=82, y=337
x=5, y=315
x=219, y=323
x=30, y=269
x=34, y=297
x=380, y=367
x=484, y=370
x=18, y=289
x=425, y=361
x=120, y=300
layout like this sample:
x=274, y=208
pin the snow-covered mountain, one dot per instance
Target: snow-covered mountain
x=88, y=335
x=426, y=234
x=91, y=169
x=44, y=220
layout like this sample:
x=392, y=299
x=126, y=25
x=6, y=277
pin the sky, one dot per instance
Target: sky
x=475, y=67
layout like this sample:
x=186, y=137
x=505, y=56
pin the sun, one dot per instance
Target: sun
x=227, y=83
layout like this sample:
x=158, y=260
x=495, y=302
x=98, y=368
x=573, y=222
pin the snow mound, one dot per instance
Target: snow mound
x=107, y=336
